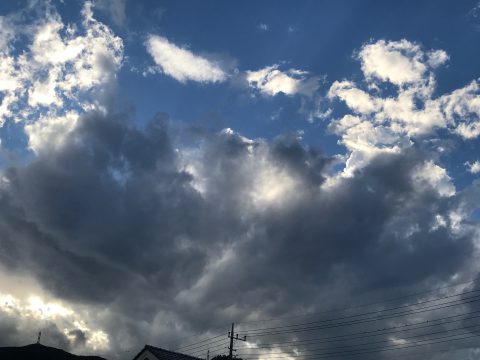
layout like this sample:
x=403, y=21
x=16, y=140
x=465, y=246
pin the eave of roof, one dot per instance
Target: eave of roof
x=166, y=354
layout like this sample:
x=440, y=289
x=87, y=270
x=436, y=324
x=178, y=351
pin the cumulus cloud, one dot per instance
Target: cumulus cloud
x=56, y=75
x=49, y=132
x=28, y=307
x=386, y=120
x=131, y=236
x=400, y=62
x=436, y=177
x=271, y=81
x=355, y=98
x=182, y=64
x=234, y=226
x=474, y=167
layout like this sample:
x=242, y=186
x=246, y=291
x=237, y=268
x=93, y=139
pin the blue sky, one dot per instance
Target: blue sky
x=303, y=36
x=252, y=36
x=296, y=154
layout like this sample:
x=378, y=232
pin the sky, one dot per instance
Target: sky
x=170, y=167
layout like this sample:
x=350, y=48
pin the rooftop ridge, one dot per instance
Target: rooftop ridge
x=172, y=352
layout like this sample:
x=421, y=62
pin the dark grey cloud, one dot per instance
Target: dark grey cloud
x=80, y=338
x=13, y=331
x=114, y=219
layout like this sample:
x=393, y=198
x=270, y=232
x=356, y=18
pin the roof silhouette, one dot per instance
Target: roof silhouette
x=163, y=354
x=40, y=352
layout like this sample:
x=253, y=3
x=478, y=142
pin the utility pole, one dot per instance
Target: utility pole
x=208, y=354
x=233, y=336
x=230, y=348
x=39, y=336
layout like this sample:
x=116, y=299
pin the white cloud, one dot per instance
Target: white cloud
x=469, y=130
x=271, y=81
x=182, y=64
x=263, y=27
x=29, y=306
x=265, y=184
x=44, y=92
x=271, y=185
x=48, y=133
x=462, y=107
x=364, y=140
x=356, y=99
x=36, y=310
x=437, y=58
x=432, y=175
x=398, y=62
x=389, y=120
x=56, y=74
x=474, y=167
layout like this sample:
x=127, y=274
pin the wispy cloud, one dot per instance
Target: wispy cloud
x=271, y=81
x=182, y=64
x=263, y=27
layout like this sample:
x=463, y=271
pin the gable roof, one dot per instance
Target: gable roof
x=163, y=354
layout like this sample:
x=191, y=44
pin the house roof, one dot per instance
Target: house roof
x=163, y=354
x=39, y=351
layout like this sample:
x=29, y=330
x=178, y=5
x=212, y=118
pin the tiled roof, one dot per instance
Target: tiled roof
x=163, y=354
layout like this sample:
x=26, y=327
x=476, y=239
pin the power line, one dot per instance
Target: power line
x=197, y=334
x=231, y=335
x=343, y=309
x=254, y=331
x=354, y=319
x=216, y=347
x=389, y=340
x=209, y=346
x=377, y=332
x=373, y=350
x=366, y=320
x=198, y=342
x=419, y=355
x=204, y=346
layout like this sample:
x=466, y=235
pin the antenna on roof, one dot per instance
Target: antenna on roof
x=39, y=336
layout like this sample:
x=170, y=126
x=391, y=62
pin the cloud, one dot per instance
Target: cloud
x=356, y=99
x=263, y=27
x=399, y=62
x=436, y=177
x=182, y=64
x=62, y=326
x=49, y=132
x=474, y=167
x=60, y=73
x=388, y=120
x=131, y=235
x=115, y=8
x=234, y=226
x=271, y=81
x=462, y=107
x=474, y=15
